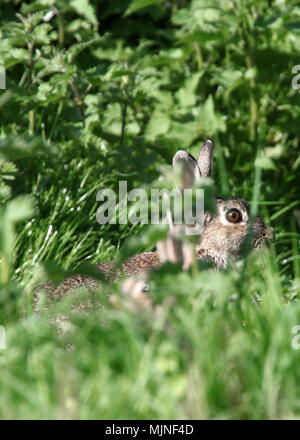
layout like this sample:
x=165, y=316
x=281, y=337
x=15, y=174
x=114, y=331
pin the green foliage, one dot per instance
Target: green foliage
x=108, y=91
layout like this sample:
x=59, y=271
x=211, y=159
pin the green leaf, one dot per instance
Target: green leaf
x=183, y=133
x=41, y=33
x=265, y=163
x=18, y=209
x=8, y=170
x=19, y=147
x=209, y=120
x=186, y=95
x=158, y=124
x=84, y=8
x=136, y=5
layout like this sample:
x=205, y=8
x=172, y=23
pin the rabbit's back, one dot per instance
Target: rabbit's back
x=139, y=263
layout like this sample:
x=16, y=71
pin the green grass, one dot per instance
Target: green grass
x=100, y=104
x=216, y=348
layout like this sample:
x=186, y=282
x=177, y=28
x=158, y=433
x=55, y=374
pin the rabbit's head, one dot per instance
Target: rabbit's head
x=225, y=233
x=224, y=236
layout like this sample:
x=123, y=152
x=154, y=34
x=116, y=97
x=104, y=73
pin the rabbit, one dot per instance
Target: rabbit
x=221, y=241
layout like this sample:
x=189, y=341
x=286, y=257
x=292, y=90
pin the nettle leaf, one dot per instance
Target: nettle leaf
x=41, y=32
x=49, y=66
x=16, y=210
x=201, y=37
x=208, y=14
x=18, y=38
x=84, y=8
x=36, y=6
x=198, y=18
x=91, y=121
x=133, y=128
x=19, y=147
x=44, y=91
x=8, y=170
x=15, y=56
x=76, y=49
x=112, y=119
x=208, y=119
x=136, y=5
x=19, y=209
x=183, y=133
x=5, y=193
x=158, y=124
x=92, y=103
x=186, y=95
x=227, y=78
x=152, y=87
x=182, y=16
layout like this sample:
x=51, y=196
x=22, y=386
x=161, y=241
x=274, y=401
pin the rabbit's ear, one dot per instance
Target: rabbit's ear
x=205, y=159
x=190, y=167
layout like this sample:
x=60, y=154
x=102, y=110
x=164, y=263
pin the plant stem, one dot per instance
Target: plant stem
x=123, y=117
x=198, y=55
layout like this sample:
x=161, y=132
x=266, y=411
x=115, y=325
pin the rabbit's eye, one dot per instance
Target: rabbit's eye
x=234, y=216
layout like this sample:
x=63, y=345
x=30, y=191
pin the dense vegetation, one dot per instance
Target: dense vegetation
x=107, y=91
